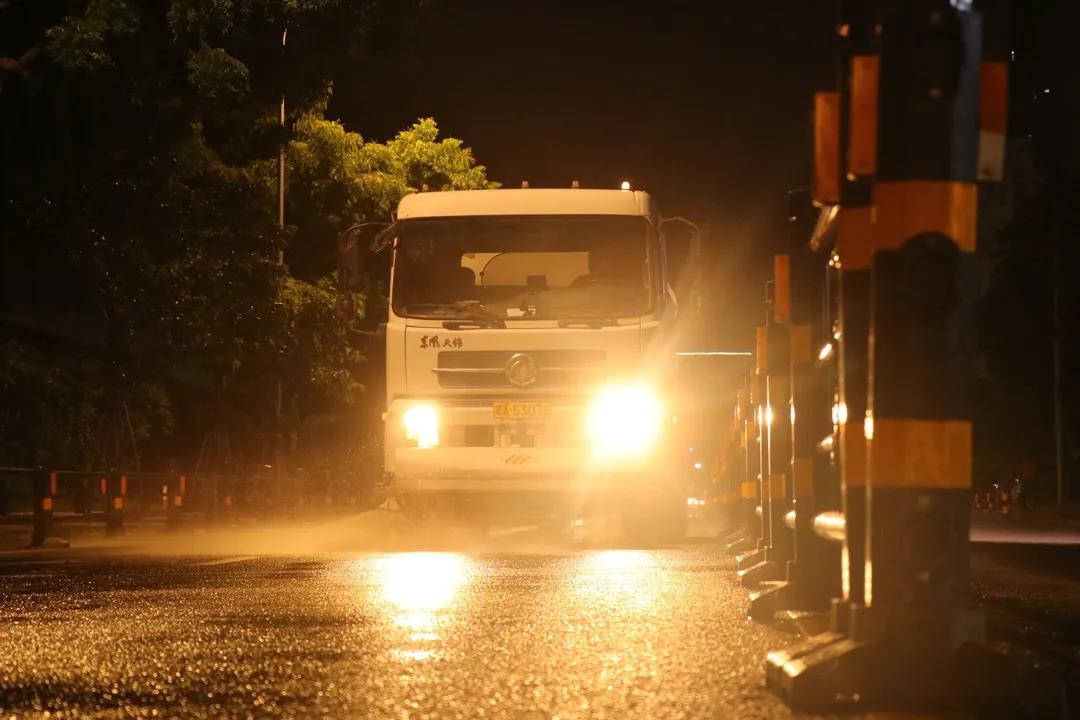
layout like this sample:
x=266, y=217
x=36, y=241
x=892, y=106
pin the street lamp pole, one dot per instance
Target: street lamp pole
x=281, y=156
x=281, y=250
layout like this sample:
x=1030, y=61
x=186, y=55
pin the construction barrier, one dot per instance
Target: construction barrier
x=860, y=404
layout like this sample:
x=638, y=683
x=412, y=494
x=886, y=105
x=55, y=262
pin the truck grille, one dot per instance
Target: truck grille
x=487, y=368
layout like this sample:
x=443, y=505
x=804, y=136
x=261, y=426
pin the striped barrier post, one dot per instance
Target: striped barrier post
x=759, y=450
x=776, y=426
x=745, y=473
x=909, y=638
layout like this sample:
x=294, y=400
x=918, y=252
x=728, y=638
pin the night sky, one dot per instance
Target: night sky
x=704, y=104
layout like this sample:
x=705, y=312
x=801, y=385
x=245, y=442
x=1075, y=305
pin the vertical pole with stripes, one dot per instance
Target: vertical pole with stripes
x=760, y=450
x=913, y=641
x=748, y=487
x=852, y=254
x=918, y=422
x=782, y=542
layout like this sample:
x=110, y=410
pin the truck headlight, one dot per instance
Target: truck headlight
x=422, y=425
x=624, y=420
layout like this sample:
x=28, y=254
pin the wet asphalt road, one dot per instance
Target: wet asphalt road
x=361, y=618
x=570, y=631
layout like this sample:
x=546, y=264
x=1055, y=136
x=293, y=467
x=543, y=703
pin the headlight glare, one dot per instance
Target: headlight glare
x=422, y=425
x=624, y=420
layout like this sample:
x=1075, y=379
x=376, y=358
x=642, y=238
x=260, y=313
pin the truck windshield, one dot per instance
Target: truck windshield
x=525, y=267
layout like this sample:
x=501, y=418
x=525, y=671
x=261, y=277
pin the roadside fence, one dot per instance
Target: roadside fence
x=42, y=496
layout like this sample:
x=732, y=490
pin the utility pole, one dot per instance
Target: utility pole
x=281, y=156
x=1057, y=125
x=281, y=252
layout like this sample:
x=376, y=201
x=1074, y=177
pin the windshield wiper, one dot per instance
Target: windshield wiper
x=465, y=313
x=589, y=321
x=481, y=321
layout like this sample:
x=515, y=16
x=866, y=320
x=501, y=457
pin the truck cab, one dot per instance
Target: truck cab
x=528, y=338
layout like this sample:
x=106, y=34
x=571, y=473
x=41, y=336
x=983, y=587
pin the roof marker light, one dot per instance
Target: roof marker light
x=524, y=184
x=625, y=185
x=574, y=185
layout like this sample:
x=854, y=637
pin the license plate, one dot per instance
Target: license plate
x=521, y=411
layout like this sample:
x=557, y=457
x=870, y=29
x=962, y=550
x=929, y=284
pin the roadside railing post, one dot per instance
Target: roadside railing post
x=776, y=429
x=176, y=489
x=115, y=488
x=746, y=472
x=758, y=459
x=45, y=490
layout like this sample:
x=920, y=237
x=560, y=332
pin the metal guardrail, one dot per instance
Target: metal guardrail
x=41, y=496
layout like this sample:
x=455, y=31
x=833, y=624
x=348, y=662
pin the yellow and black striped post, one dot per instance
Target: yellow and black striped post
x=911, y=641
x=812, y=575
x=852, y=260
x=918, y=423
x=747, y=470
x=776, y=428
x=778, y=418
x=759, y=449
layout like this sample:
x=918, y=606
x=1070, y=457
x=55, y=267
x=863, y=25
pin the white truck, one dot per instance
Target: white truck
x=528, y=344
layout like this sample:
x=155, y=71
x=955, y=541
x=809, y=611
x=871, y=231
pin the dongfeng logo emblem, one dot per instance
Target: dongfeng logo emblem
x=522, y=370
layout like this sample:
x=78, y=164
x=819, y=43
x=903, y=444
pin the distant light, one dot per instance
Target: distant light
x=826, y=352
x=574, y=185
x=1046, y=91
x=697, y=466
x=524, y=184
x=625, y=185
x=715, y=353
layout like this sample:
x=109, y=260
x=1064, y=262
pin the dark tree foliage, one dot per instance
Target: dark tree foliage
x=141, y=288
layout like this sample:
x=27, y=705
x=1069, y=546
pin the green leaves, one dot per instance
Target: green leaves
x=81, y=42
x=203, y=18
x=217, y=75
x=152, y=178
x=439, y=164
x=337, y=179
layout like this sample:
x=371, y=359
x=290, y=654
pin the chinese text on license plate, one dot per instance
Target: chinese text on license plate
x=521, y=410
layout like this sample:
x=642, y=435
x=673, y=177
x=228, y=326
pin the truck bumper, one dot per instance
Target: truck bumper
x=506, y=470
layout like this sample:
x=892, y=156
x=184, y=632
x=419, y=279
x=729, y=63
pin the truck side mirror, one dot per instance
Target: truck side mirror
x=364, y=267
x=683, y=259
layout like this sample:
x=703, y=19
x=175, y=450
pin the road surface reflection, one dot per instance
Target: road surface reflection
x=418, y=592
